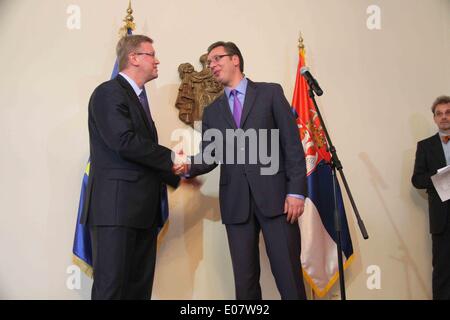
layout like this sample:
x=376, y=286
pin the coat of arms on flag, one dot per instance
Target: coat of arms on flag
x=319, y=247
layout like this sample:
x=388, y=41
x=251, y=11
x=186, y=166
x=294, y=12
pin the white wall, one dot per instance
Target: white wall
x=378, y=86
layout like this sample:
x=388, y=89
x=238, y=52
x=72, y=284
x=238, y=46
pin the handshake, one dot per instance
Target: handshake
x=181, y=164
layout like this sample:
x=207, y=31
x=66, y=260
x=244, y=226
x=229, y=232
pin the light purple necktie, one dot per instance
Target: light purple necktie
x=237, y=108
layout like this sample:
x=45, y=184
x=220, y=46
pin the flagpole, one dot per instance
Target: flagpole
x=338, y=228
x=301, y=46
x=335, y=165
x=129, y=25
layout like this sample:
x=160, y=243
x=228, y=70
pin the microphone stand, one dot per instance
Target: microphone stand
x=337, y=165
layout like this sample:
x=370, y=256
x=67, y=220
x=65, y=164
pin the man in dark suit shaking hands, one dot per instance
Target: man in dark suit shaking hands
x=432, y=154
x=128, y=176
x=254, y=197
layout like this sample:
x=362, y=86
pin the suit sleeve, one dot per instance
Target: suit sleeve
x=110, y=112
x=290, y=144
x=169, y=178
x=421, y=178
x=198, y=164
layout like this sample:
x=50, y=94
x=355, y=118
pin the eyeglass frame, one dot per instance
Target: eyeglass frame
x=153, y=54
x=217, y=58
x=439, y=114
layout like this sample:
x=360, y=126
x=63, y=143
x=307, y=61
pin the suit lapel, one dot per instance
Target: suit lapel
x=250, y=96
x=226, y=112
x=438, y=150
x=137, y=104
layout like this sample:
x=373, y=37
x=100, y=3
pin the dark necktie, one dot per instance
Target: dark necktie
x=145, y=106
x=144, y=103
x=164, y=201
x=445, y=139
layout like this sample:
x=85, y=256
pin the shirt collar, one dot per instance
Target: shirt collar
x=240, y=88
x=133, y=84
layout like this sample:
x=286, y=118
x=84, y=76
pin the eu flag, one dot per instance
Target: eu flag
x=82, y=249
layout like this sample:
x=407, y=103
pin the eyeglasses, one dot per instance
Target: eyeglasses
x=439, y=114
x=151, y=54
x=216, y=59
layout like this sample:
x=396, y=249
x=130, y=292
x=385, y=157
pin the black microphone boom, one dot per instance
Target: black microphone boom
x=313, y=84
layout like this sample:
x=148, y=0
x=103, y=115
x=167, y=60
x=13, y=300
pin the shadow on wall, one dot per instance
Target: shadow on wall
x=182, y=249
x=420, y=129
x=65, y=173
x=405, y=258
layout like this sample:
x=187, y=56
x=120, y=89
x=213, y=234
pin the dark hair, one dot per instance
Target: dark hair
x=231, y=49
x=128, y=44
x=438, y=101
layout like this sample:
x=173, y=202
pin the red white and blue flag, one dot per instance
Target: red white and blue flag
x=319, y=247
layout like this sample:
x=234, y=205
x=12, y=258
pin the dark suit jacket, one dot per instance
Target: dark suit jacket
x=128, y=166
x=265, y=107
x=429, y=158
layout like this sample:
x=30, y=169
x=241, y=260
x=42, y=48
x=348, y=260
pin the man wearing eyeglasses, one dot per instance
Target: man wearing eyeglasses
x=432, y=154
x=251, y=201
x=128, y=176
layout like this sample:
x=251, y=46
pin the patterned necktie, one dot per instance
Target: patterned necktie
x=445, y=139
x=237, y=108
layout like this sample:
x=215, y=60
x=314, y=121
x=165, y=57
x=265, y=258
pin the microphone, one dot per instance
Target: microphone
x=313, y=84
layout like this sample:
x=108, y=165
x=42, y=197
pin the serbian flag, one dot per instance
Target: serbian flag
x=319, y=247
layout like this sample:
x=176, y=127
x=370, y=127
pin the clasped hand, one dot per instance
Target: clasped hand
x=181, y=165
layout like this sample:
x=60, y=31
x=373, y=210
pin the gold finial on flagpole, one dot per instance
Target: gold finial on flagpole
x=129, y=24
x=300, y=41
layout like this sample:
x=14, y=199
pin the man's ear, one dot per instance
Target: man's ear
x=132, y=59
x=235, y=60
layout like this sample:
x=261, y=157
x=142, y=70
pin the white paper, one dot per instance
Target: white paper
x=443, y=169
x=441, y=182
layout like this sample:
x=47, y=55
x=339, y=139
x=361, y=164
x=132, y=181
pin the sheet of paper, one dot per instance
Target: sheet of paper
x=441, y=182
x=443, y=169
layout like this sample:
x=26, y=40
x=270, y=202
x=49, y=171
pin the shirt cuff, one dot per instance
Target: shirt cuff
x=187, y=175
x=298, y=196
